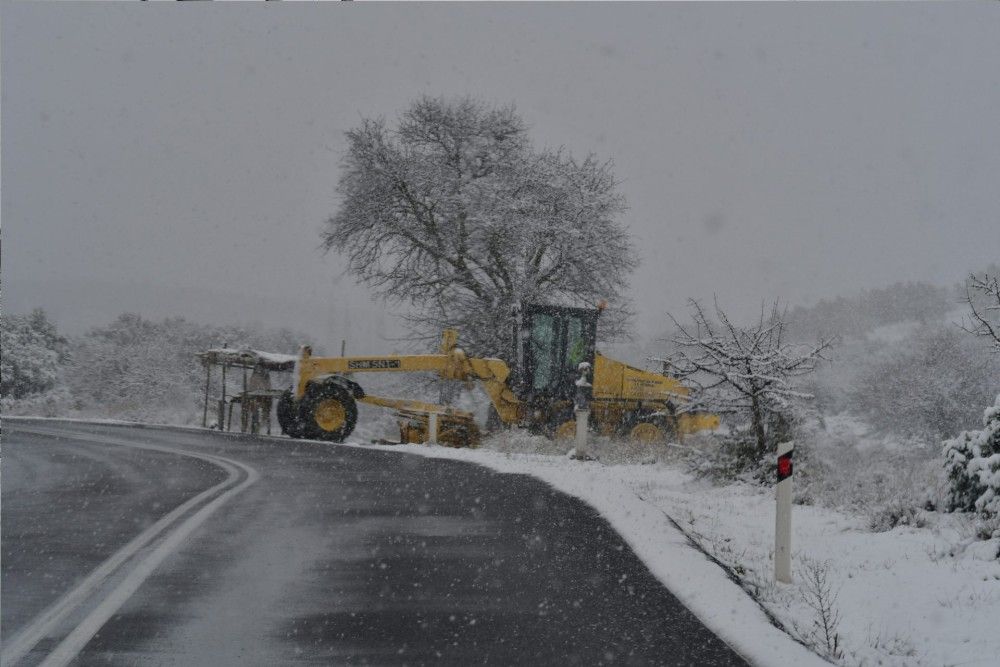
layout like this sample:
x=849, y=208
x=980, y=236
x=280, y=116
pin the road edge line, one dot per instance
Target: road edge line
x=27, y=638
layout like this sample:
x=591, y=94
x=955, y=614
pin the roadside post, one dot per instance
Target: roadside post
x=783, y=515
x=222, y=400
x=581, y=407
x=208, y=384
x=582, y=417
x=432, y=429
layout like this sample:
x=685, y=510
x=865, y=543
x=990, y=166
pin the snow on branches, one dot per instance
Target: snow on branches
x=746, y=369
x=33, y=355
x=455, y=213
x=972, y=461
x=982, y=293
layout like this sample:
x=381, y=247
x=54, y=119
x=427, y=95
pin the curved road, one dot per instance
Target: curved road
x=126, y=545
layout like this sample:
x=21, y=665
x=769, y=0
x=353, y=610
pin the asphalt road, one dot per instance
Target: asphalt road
x=125, y=545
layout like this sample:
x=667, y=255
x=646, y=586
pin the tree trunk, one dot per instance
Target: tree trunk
x=758, y=427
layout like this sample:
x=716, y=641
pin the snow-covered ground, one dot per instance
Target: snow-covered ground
x=907, y=596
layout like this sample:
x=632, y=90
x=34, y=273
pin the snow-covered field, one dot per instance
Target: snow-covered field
x=908, y=596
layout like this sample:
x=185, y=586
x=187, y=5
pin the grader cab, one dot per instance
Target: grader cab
x=549, y=346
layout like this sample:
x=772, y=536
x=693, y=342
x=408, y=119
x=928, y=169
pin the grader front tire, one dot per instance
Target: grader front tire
x=328, y=412
x=288, y=416
x=566, y=430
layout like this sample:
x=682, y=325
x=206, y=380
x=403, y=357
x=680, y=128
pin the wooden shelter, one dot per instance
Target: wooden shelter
x=243, y=361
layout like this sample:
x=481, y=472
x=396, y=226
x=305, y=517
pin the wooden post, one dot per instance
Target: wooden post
x=222, y=401
x=432, y=429
x=208, y=383
x=343, y=347
x=783, y=515
x=243, y=405
x=269, y=404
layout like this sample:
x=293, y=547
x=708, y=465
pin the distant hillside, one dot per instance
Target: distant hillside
x=853, y=317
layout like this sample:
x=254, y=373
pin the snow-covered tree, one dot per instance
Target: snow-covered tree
x=746, y=369
x=972, y=461
x=983, y=296
x=33, y=353
x=454, y=213
x=927, y=386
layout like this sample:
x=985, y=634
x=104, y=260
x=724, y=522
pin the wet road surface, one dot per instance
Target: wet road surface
x=334, y=555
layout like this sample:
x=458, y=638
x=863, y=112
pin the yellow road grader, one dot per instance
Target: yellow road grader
x=550, y=346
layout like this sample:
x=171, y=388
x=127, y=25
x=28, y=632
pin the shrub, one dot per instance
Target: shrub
x=33, y=355
x=896, y=513
x=140, y=369
x=735, y=457
x=929, y=387
x=972, y=461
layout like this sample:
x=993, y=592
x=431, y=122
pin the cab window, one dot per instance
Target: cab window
x=576, y=345
x=543, y=336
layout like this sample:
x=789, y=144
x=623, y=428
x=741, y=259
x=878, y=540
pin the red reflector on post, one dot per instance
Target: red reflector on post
x=784, y=466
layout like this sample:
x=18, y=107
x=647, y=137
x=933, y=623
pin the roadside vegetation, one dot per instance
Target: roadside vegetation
x=897, y=450
x=133, y=368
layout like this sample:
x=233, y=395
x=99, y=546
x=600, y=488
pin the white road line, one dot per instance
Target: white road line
x=44, y=623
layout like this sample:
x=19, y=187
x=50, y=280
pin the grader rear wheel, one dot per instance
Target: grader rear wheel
x=328, y=412
x=647, y=432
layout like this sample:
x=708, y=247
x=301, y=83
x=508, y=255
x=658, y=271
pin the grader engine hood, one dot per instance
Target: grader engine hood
x=615, y=380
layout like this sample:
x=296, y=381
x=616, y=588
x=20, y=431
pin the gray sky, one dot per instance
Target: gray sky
x=167, y=158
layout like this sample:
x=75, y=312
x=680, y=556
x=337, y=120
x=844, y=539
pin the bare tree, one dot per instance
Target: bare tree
x=745, y=369
x=982, y=293
x=454, y=213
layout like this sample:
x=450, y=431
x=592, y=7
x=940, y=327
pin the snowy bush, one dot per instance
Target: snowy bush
x=33, y=354
x=749, y=370
x=52, y=403
x=146, y=370
x=841, y=464
x=972, y=461
x=896, y=513
x=733, y=458
x=929, y=387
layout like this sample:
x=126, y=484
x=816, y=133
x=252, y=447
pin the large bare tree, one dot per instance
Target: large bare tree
x=746, y=369
x=455, y=215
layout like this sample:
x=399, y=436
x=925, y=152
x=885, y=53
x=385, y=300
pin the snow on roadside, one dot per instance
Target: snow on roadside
x=703, y=587
x=909, y=596
x=903, y=597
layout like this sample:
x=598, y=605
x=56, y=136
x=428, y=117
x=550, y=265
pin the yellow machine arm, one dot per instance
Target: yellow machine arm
x=450, y=364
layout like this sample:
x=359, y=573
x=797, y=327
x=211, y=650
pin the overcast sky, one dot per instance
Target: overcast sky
x=173, y=159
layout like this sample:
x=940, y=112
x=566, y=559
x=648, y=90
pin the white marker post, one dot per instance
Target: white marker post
x=432, y=429
x=783, y=515
x=582, y=417
x=581, y=406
